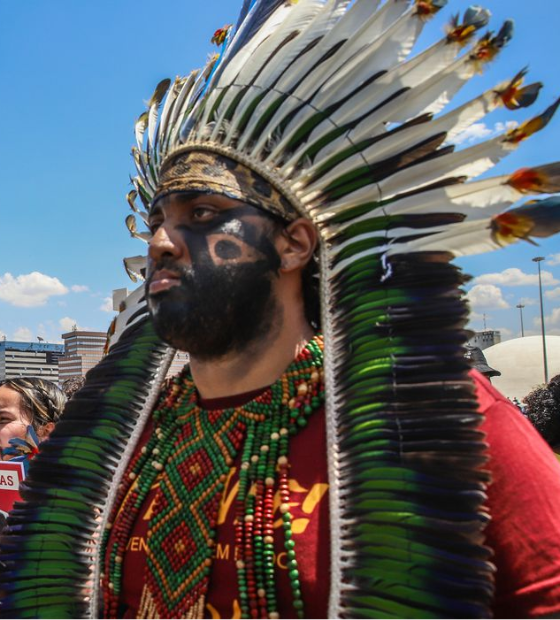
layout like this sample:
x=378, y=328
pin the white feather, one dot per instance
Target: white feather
x=291, y=64
x=248, y=51
x=462, y=239
x=410, y=74
x=392, y=144
x=470, y=162
x=356, y=47
x=489, y=196
x=167, y=110
x=313, y=203
x=178, y=111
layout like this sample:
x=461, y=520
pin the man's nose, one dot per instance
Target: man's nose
x=165, y=242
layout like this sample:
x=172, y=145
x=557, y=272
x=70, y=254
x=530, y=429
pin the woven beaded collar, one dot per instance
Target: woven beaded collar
x=181, y=543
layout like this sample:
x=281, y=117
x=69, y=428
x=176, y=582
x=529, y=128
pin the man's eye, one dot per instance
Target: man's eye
x=202, y=213
x=153, y=226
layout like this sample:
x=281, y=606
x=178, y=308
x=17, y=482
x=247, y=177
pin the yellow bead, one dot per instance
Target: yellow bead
x=269, y=482
x=302, y=389
x=284, y=508
x=282, y=461
x=268, y=540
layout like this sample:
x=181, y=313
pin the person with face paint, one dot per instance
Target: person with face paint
x=225, y=283
x=28, y=402
x=324, y=453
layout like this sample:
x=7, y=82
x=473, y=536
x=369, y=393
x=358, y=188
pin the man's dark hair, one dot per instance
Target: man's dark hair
x=310, y=283
x=543, y=410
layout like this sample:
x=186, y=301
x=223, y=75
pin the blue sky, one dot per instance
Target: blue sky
x=76, y=74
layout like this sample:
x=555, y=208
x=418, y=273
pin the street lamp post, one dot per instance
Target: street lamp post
x=538, y=260
x=521, y=306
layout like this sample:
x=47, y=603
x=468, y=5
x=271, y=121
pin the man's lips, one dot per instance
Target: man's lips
x=162, y=281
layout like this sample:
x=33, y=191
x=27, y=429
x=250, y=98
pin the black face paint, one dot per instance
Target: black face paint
x=227, y=250
x=231, y=223
x=219, y=308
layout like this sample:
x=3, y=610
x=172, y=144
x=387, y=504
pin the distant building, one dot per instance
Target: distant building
x=29, y=359
x=178, y=363
x=82, y=351
x=485, y=339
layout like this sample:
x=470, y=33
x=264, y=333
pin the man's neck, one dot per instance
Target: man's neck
x=257, y=366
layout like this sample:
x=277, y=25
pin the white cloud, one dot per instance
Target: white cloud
x=553, y=260
x=486, y=297
x=79, y=288
x=23, y=334
x=479, y=131
x=501, y=127
x=515, y=277
x=67, y=324
x=528, y=301
x=29, y=290
x=553, y=319
x=553, y=294
x=107, y=305
x=505, y=333
x=551, y=323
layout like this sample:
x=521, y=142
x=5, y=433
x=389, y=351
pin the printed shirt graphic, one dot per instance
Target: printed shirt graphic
x=310, y=527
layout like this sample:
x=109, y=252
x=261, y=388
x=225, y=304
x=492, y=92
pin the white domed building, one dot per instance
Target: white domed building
x=521, y=363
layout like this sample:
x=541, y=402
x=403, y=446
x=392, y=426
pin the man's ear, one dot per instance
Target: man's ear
x=297, y=244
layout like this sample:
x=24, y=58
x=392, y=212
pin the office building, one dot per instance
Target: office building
x=82, y=351
x=485, y=339
x=29, y=359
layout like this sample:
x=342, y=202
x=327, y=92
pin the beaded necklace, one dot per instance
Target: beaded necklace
x=190, y=453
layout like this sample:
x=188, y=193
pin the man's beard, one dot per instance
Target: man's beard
x=217, y=309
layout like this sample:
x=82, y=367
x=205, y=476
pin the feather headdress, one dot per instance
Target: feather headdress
x=323, y=100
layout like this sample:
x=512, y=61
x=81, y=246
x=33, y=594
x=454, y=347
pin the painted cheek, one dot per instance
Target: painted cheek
x=227, y=250
x=224, y=248
x=11, y=430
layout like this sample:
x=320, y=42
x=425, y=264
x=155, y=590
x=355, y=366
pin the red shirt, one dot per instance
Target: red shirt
x=523, y=501
x=310, y=528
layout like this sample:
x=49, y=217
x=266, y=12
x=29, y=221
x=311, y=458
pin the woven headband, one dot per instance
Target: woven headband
x=207, y=172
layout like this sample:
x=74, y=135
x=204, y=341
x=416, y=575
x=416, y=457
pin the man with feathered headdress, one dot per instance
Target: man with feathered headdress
x=303, y=183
